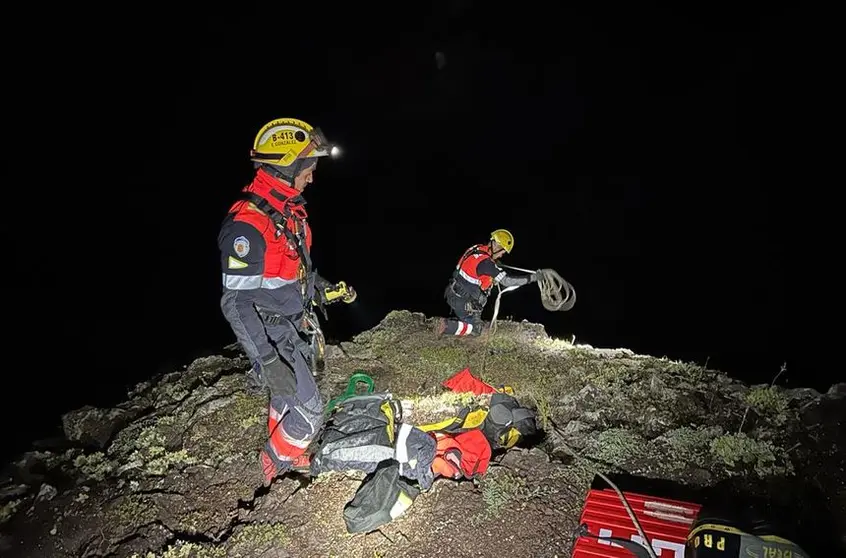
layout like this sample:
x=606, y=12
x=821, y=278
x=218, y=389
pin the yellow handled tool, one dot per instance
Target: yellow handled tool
x=339, y=291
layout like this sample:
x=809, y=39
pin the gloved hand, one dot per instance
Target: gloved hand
x=340, y=291
x=255, y=381
x=320, y=282
x=539, y=274
x=278, y=376
x=351, y=295
x=321, y=285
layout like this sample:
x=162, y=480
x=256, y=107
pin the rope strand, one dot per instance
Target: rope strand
x=551, y=285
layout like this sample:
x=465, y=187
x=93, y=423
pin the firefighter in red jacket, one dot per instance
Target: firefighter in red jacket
x=269, y=283
x=471, y=283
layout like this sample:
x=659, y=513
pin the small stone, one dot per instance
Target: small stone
x=47, y=492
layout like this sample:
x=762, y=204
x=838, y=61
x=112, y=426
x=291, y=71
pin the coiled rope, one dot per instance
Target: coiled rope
x=557, y=295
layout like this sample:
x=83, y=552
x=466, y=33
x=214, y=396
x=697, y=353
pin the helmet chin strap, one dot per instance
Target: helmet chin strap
x=493, y=245
x=288, y=174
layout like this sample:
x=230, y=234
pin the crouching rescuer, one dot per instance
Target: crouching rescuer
x=270, y=287
x=471, y=283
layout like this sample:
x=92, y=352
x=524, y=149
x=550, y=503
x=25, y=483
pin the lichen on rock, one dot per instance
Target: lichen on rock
x=739, y=450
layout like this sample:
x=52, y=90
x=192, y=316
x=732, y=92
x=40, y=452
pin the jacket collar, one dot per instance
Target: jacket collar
x=277, y=193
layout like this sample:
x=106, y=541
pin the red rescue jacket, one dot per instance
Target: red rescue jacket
x=282, y=262
x=469, y=277
x=467, y=453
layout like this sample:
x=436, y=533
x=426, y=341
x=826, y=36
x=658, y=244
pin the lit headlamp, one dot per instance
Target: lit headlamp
x=318, y=146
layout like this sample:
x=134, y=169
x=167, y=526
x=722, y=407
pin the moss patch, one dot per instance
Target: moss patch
x=151, y=457
x=616, y=446
x=256, y=539
x=687, y=445
x=503, y=489
x=770, y=403
x=251, y=540
x=131, y=511
x=236, y=427
x=95, y=466
x=8, y=510
x=742, y=454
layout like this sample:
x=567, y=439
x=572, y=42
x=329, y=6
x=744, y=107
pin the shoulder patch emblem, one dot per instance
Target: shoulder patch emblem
x=241, y=246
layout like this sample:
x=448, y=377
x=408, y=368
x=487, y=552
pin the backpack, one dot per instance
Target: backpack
x=383, y=496
x=467, y=418
x=365, y=430
x=507, y=421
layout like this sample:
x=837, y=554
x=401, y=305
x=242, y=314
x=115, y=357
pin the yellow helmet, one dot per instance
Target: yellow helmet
x=504, y=239
x=284, y=141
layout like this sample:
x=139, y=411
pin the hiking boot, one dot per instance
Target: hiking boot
x=440, y=326
x=301, y=463
x=268, y=467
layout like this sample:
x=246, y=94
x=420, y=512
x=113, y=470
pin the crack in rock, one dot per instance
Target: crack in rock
x=114, y=545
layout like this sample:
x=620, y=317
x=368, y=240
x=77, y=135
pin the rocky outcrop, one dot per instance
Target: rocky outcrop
x=172, y=471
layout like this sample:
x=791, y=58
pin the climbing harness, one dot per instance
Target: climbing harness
x=316, y=341
x=551, y=285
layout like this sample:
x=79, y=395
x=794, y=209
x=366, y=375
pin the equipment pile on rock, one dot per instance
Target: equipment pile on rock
x=367, y=433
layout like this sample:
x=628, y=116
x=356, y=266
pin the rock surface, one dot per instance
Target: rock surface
x=172, y=472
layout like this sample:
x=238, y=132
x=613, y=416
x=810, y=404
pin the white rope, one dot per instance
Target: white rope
x=516, y=268
x=551, y=286
x=496, y=305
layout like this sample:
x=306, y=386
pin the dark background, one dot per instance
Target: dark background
x=652, y=157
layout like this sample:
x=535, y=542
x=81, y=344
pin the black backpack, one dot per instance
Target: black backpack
x=508, y=422
x=367, y=423
x=383, y=496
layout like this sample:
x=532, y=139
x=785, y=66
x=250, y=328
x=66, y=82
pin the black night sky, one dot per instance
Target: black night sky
x=646, y=154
